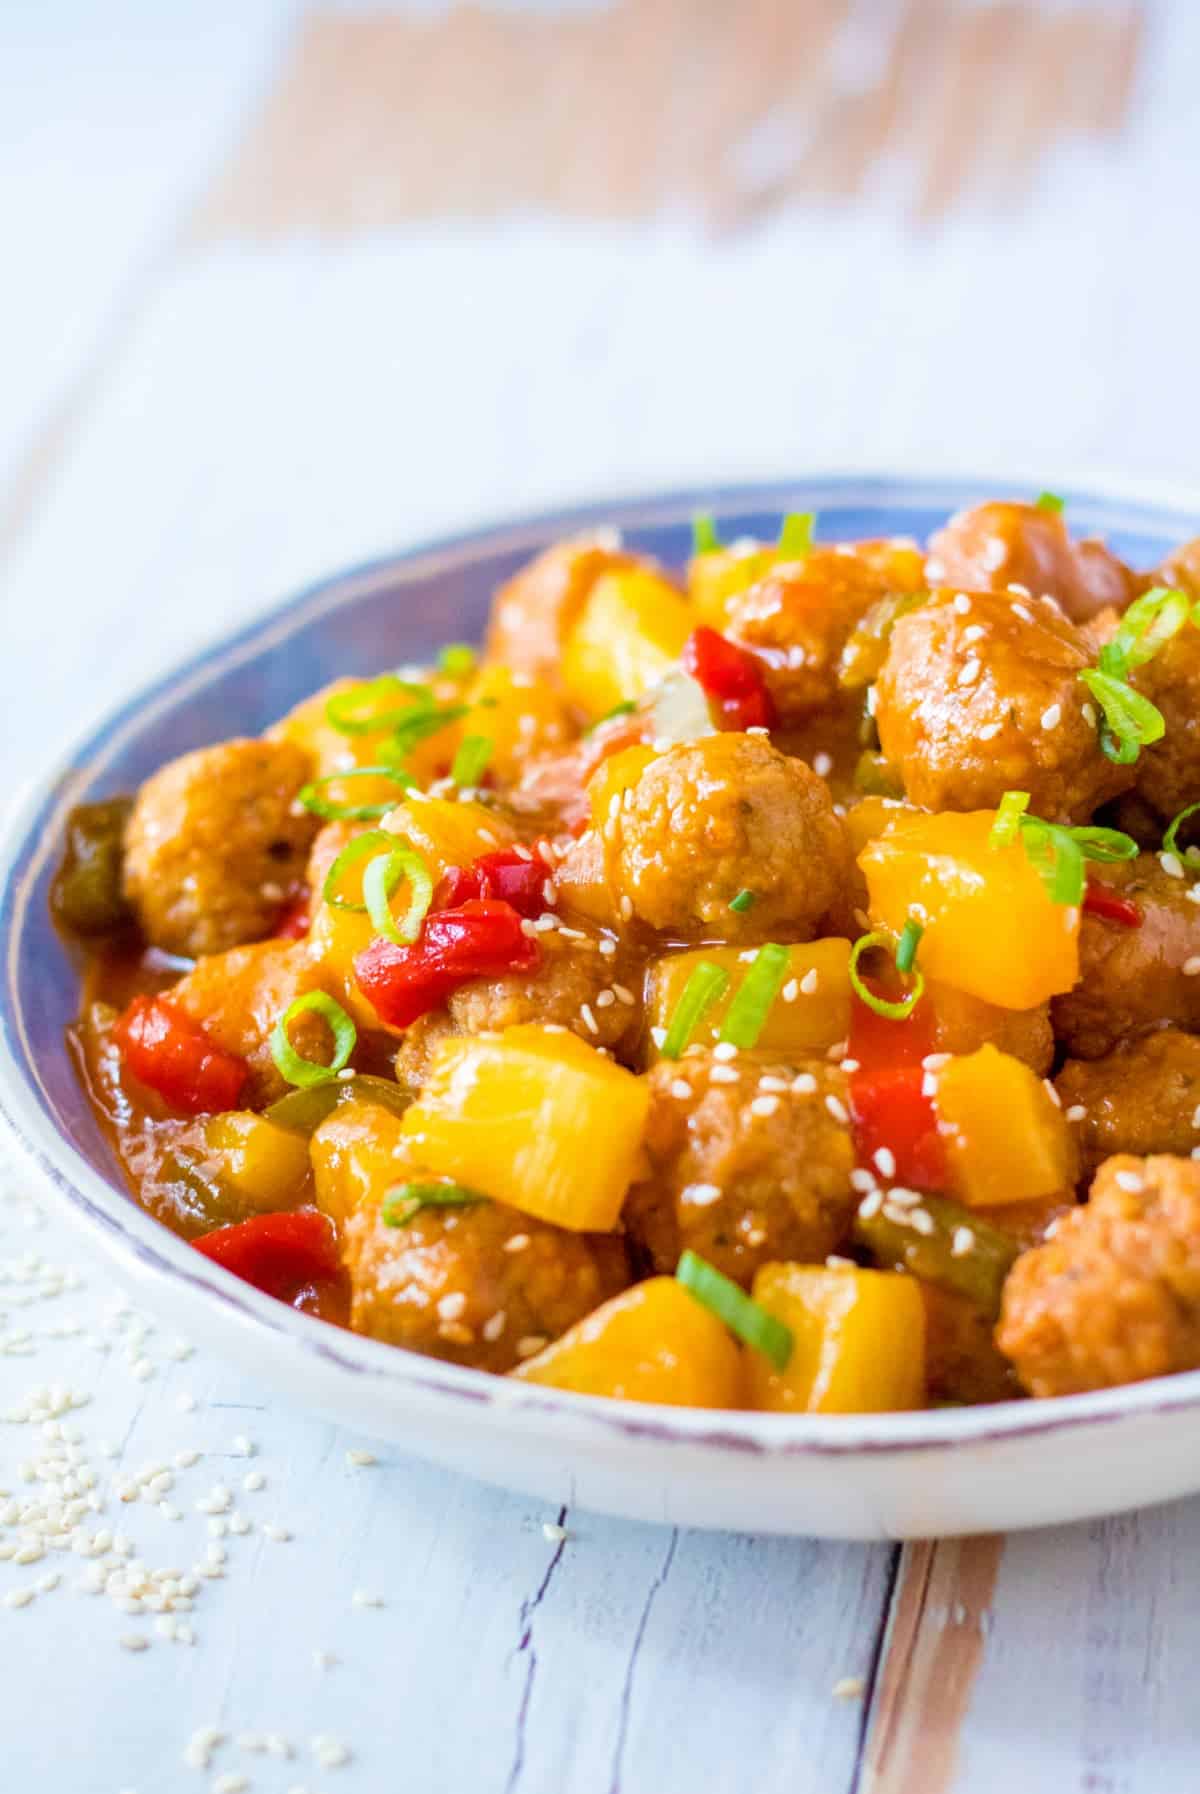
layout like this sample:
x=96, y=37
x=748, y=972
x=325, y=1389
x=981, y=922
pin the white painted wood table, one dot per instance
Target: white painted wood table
x=282, y=291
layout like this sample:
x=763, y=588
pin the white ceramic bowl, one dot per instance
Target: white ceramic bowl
x=874, y=1476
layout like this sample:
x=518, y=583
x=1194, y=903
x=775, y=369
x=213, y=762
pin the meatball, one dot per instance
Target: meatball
x=748, y=1161
x=980, y=695
x=1115, y=1296
x=1133, y=981
x=994, y=546
x=1168, y=772
x=533, y=611
x=215, y=844
x=1140, y=1099
x=239, y=996
x=963, y=1023
x=797, y=620
x=575, y=986
x=713, y=817
x=962, y=1361
x=485, y=1285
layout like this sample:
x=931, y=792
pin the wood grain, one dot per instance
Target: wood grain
x=380, y=119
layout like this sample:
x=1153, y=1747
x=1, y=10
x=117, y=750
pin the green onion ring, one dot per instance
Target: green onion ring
x=745, y=900
x=1051, y=503
x=1170, y=841
x=1104, y=845
x=417, y=727
x=380, y=880
x=705, y=539
x=796, y=535
x=752, y=1001
x=1131, y=721
x=706, y=985
x=1148, y=625
x=312, y=800
x=1007, y=825
x=306, y=1072
x=1057, y=859
x=471, y=760
x=404, y=1202
x=457, y=660
x=906, y=946
x=342, y=711
x=895, y=1012
x=354, y=850
x=748, y=1319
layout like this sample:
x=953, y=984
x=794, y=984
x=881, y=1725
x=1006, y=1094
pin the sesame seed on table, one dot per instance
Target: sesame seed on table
x=236, y=357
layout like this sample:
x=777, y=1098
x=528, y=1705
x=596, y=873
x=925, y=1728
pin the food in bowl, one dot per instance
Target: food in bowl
x=771, y=986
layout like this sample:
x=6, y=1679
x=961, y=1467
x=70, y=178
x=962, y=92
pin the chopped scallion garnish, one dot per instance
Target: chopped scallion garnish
x=906, y=946
x=742, y=902
x=358, y=849
x=1148, y=625
x=312, y=798
x=744, y=1317
x=1170, y=842
x=705, y=539
x=369, y=708
x=1131, y=722
x=457, y=660
x=796, y=535
x=1050, y=501
x=404, y=1202
x=1007, y=825
x=1058, y=853
x=307, y=1072
x=419, y=725
x=471, y=759
x=707, y=984
x=754, y=997
x=380, y=880
x=898, y=1011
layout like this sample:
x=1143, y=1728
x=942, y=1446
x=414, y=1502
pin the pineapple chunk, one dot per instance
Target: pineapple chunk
x=628, y=636
x=536, y=1118
x=652, y=1343
x=266, y=1163
x=358, y=1151
x=1006, y=1138
x=859, y=1341
x=815, y=1018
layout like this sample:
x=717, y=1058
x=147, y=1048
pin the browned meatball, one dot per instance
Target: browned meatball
x=993, y=546
x=797, y=620
x=1133, y=981
x=533, y=611
x=963, y=1023
x=1115, y=1296
x=962, y=1361
x=1143, y=1098
x=749, y=1161
x=239, y=996
x=215, y=843
x=1168, y=772
x=575, y=987
x=485, y=1286
x=710, y=818
x=980, y=694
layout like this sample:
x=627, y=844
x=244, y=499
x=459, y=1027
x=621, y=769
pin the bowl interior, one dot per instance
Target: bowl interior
x=393, y=611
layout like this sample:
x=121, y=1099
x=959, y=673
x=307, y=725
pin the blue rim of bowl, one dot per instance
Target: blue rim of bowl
x=140, y=1245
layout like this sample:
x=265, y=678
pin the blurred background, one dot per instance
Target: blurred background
x=287, y=285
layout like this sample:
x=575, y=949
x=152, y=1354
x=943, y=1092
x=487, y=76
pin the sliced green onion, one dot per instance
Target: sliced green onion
x=355, y=850
x=333, y=811
x=306, y=1072
x=906, y=946
x=457, y=660
x=418, y=725
x=1057, y=858
x=471, y=759
x=1104, y=845
x=707, y=984
x=361, y=710
x=705, y=539
x=796, y=535
x=1131, y=722
x=1050, y=501
x=747, y=1014
x=744, y=1317
x=895, y=1012
x=742, y=902
x=1009, y=814
x=303, y=1111
x=1170, y=842
x=404, y=1202
x=1148, y=625
x=380, y=880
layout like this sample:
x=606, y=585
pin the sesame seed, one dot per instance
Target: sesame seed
x=517, y=1243
x=134, y=1641
x=764, y=1106
x=605, y=999
x=1130, y=1181
x=679, y=1087
x=364, y=1598
x=625, y=908
x=862, y=1180
x=491, y=1329
x=790, y=991
x=962, y=1242
x=623, y=994
x=871, y=1205
x=725, y=1050
x=1077, y=1112
x=19, y=1597
x=702, y=1195
x=243, y=1447
x=1023, y=611
x=836, y=1108
x=822, y=765
x=589, y=1020
x=809, y=982
x=969, y=672
x=885, y=1160
x=360, y=1460
x=329, y=1752
x=1051, y=716
x=804, y=1084
x=722, y=1074
x=769, y=1082
x=254, y=1481
x=988, y=731
x=1191, y=966
x=553, y=1533
x=848, y=1688
x=232, y=1782
x=451, y=1307
x=1088, y=713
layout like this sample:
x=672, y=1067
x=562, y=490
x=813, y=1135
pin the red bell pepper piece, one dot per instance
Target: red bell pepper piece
x=169, y=1052
x=731, y=678
x=279, y=1254
x=479, y=939
x=888, y=1104
x=506, y=875
x=1101, y=900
